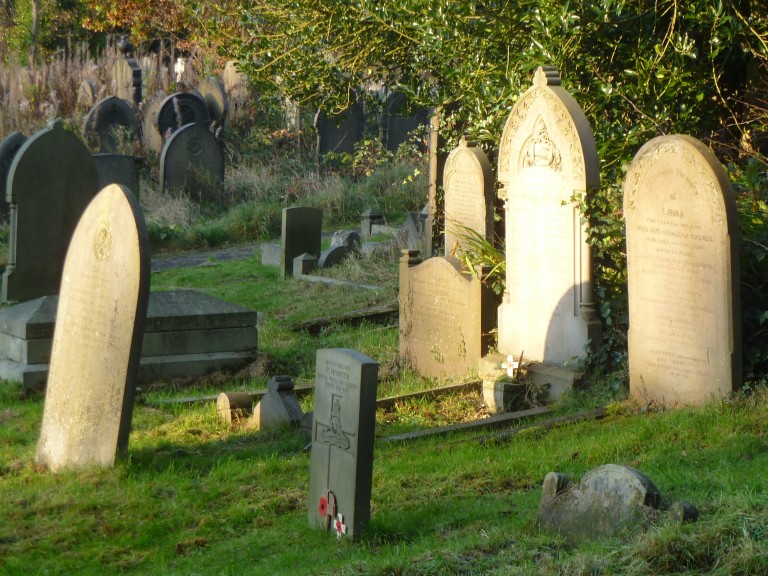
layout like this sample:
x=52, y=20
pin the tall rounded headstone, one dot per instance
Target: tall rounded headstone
x=683, y=274
x=193, y=161
x=547, y=155
x=51, y=181
x=153, y=141
x=98, y=336
x=180, y=109
x=215, y=97
x=111, y=126
x=9, y=147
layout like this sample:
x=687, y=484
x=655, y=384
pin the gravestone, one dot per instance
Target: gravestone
x=340, y=132
x=47, y=199
x=86, y=94
x=335, y=255
x=300, y=234
x=398, y=122
x=215, y=97
x=126, y=75
x=277, y=407
x=368, y=219
x=99, y=328
x=123, y=169
x=192, y=160
x=608, y=499
x=180, y=109
x=9, y=147
x=343, y=431
x=236, y=87
x=111, y=126
x=292, y=115
x=153, y=141
x=547, y=155
x=469, y=196
x=446, y=316
x=304, y=264
x=683, y=274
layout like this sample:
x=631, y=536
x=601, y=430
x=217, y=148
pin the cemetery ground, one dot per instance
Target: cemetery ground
x=194, y=496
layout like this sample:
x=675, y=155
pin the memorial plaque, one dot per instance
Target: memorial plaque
x=446, y=317
x=468, y=184
x=192, y=160
x=9, y=147
x=343, y=431
x=180, y=109
x=683, y=274
x=547, y=155
x=111, y=126
x=98, y=335
x=51, y=181
x=300, y=234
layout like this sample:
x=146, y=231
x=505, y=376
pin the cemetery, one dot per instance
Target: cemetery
x=278, y=300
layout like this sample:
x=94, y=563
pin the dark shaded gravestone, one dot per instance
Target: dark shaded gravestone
x=683, y=274
x=97, y=342
x=343, y=430
x=399, y=121
x=469, y=196
x=446, y=316
x=180, y=109
x=300, y=234
x=340, y=132
x=192, y=161
x=214, y=95
x=111, y=126
x=547, y=155
x=47, y=198
x=608, y=500
x=9, y=147
x=151, y=137
x=123, y=169
x=277, y=407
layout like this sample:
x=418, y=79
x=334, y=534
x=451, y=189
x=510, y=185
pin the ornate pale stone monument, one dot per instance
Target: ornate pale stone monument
x=683, y=274
x=547, y=156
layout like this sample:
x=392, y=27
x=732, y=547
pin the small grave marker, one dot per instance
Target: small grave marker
x=343, y=430
x=97, y=341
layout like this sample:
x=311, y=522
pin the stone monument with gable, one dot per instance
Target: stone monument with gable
x=683, y=274
x=547, y=155
x=97, y=341
x=343, y=431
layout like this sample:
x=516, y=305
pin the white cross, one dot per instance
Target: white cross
x=510, y=365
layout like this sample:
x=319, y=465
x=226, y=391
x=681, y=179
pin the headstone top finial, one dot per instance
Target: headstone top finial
x=546, y=76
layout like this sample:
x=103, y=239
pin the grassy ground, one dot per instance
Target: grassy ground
x=196, y=497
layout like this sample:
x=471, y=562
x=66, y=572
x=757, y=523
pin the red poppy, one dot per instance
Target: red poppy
x=323, y=507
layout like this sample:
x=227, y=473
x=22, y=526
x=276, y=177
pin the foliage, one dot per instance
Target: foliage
x=473, y=249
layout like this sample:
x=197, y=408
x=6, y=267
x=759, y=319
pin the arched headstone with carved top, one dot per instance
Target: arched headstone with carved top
x=547, y=155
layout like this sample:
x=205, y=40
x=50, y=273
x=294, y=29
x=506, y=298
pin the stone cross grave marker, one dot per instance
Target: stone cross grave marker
x=683, y=274
x=300, y=234
x=343, y=431
x=98, y=336
x=111, y=126
x=51, y=181
x=9, y=147
x=468, y=184
x=547, y=155
x=193, y=160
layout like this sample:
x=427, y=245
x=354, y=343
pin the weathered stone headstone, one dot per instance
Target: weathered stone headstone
x=192, y=160
x=608, y=499
x=86, y=94
x=180, y=109
x=153, y=141
x=300, y=234
x=340, y=132
x=277, y=407
x=236, y=86
x=126, y=75
x=468, y=184
x=111, y=126
x=368, y=220
x=292, y=115
x=215, y=97
x=398, y=122
x=343, y=431
x=547, y=155
x=446, y=316
x=683, y=274
x=97, y=342
x=9, y=147
x=47, y=199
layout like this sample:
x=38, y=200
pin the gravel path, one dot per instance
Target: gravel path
x=189, y=259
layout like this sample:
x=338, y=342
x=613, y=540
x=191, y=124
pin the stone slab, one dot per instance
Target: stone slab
x=271, y=254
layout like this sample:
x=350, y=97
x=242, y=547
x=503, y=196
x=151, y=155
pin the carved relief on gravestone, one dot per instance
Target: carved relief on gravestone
x=9, y=147
x=469, y=196
x=51, y=181
x=192, y=161
x=301, y=231
x=98, y=335
x=446, y=316
x=111, y=126
x=547, y=155
x=343, y=431
x=683, y=274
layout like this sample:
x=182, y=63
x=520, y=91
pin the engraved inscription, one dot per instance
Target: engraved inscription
x=102, y=242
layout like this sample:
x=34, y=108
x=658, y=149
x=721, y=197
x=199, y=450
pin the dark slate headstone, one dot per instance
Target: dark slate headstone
x=340, y=132
x=608, y=499
x=343, y=432
x=97, y=341
x=9, y=147
x=301, y=233
x=51, y=181
x=121, y=169
x=215, y=97
x=111, y=126
x=180, y=109
x=335, y=255
x=398, y=122
x=192, y=160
